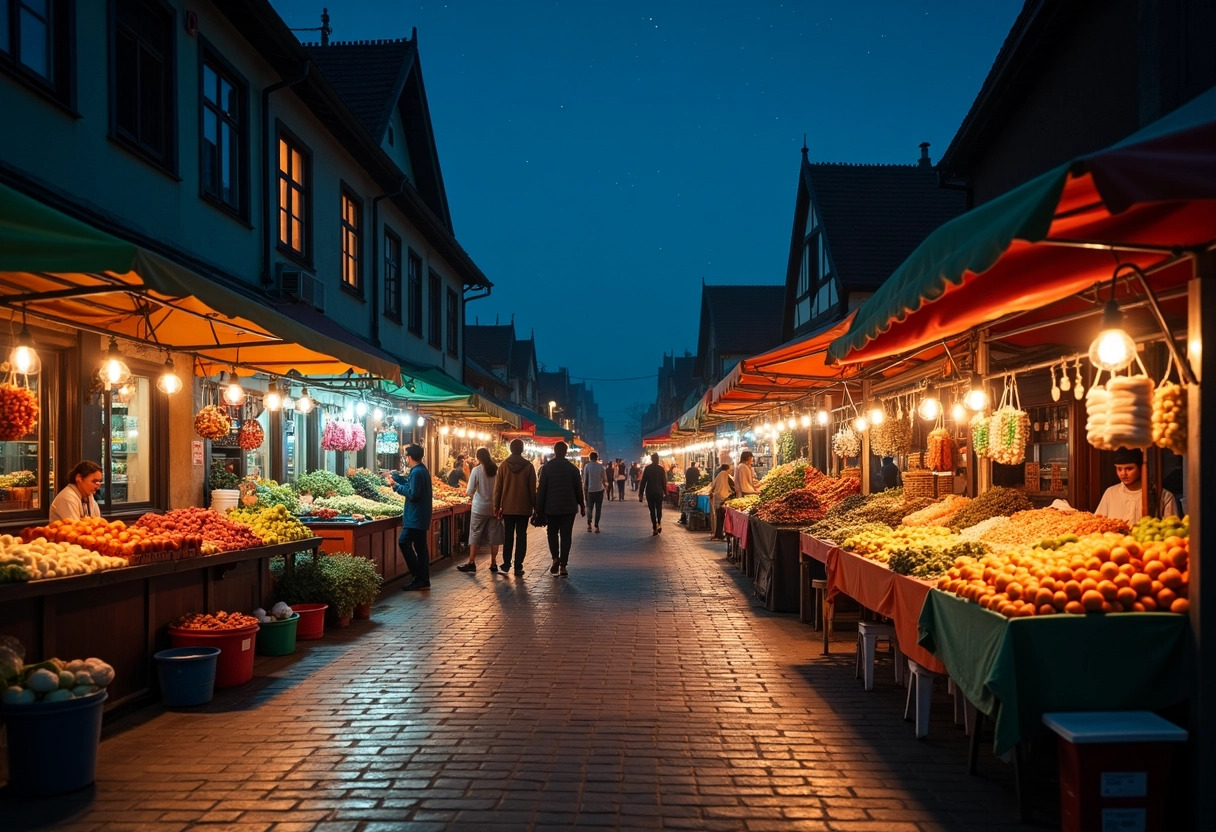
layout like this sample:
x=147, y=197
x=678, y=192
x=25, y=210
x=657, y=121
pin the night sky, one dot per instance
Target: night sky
x=602, y=158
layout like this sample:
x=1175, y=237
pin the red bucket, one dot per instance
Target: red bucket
x=235, y=664
x=312, y=621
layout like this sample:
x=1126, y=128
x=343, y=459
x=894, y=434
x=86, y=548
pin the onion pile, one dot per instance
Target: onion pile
x=18, y=412
x=212, y=423
x=1008, y=431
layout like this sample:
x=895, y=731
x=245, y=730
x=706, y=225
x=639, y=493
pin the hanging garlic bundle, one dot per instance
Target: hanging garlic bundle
x=1009, y=428
x=893, y=437
x=979, y=435
x=1097, y=411
x=846, y=444
x=1130, y=416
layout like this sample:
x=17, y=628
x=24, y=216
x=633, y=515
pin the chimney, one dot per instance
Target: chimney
x=924, y=163
x=325, y=30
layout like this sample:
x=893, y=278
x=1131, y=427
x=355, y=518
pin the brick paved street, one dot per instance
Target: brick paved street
x=648, y=690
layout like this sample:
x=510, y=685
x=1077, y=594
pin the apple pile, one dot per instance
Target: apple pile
x=115, y=539
x=215, y=532
x=18, y=412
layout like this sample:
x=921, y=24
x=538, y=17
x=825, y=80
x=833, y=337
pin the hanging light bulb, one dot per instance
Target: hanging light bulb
x=404, y=419
x=421, y=421
x=169, y=382
x=348, y=414
x=958, y=413
x=929, y=407
x=378, y=415
x=114, y=371
x=823, y=418
x=445, y=430
x=234, y=393
x=361, y=408
x=273, y=400
x=977, y=397
x=876, y=413
x=861, y=424
x=1113, y=349
x=304, y=403
x=23, y=359
x=806, y=420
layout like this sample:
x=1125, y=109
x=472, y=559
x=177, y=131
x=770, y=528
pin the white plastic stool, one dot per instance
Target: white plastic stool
x=868, y=634
x=920, y=691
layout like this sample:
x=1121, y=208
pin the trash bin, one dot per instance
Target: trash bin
x=187, y=675
x=1114, y=769
x=52, y=746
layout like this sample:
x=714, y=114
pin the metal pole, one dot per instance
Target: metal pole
x=982, y=468
x=865, y=440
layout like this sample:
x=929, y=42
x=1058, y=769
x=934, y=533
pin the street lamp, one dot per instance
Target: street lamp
x=552, y=406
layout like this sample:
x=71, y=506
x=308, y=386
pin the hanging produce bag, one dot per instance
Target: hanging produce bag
x=1169, y=414
x=250, y=436
x=846, y=444
x=18, y=412
x=1129, y=421
x=893, y=437
x=979, y=435
x=212, y=422
x=939, y=454
x=1009, y=428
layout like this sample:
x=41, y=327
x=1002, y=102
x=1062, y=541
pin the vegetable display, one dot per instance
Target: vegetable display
x=1045, y=523
x=18, y=412
x=212, y=422
x=41, y=558
x=367, y=485
x=215, y=532
x=782, y=480
x=831, y=491
x=995, y=502
x=939, y=513
x=219, y=622
x=745, y=503
x=932, y=561
x=273, y=525
x=323, y=484
x=797, y=508
x=879, y=544
x=251, y=436
x=846, y=444
x=52, y=680
x=354, y=504
x=18, y=479
x=1169, y=417
x=279, y=612
x=115, y=538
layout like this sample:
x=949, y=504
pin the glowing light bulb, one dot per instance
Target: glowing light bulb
x=929, y=408
x=273, y=400
x=1112, y=350
x=421, y=421
x=976, y=399
x=25, y=361
x=822, y=418
x=304, y=403
x=378, y=415
x=876, y=414
x=958, y=413
x=445, y=430
x=861, y=424
x=114, y=371
x=234, y=393
x=169, y=382
x=348, y=414
x=806, y=420
x=361, y=409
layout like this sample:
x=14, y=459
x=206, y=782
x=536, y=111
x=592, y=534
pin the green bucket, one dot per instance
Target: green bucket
x=278, y=638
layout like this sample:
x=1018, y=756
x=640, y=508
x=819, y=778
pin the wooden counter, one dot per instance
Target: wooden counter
x=375, y=540
x=123, y=615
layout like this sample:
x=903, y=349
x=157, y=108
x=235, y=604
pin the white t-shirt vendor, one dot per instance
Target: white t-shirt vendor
x=1123, y=499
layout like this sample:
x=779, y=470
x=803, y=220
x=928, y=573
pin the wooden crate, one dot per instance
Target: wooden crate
x=919, y=483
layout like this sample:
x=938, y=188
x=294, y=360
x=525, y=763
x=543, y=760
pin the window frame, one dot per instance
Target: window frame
x=345, y=232
x=434, y=309
x=61, y=32
x=208, y=54
x=414, y=292
x=453, y=315
x=303, y=258
x=817, y=291
x=392, y=275
x=168, y=161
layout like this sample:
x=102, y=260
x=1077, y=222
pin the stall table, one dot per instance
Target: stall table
x=775, y=555
x=123, y=615
x=1015, y=670
x=737, y=526
x=375, y=540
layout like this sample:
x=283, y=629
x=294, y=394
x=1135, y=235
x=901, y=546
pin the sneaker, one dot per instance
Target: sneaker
x=597, y=529
x=588, y=528
x=416, y=585
x=658, y=529
x=563, y=572
x=505, y=568
x=519, y=573
x=470, y=567
x=493, y=567
x=553, y=569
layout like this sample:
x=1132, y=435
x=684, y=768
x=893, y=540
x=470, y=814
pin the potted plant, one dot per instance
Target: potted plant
x=349, y=581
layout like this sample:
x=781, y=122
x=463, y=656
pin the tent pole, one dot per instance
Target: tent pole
x=1201, y=503
x=982, y=468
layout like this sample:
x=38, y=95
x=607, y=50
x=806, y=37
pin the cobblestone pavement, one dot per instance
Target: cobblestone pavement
x=648, y=690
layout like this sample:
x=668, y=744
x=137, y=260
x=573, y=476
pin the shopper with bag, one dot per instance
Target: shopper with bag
x=558, y=496
x=514, y=502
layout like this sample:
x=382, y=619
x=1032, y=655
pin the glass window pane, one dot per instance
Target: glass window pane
x=5, y=36
x=209, y=84
x=35, y=44
x=228, y=97
x=284, y=155
x=130, y=446
x=227, y=166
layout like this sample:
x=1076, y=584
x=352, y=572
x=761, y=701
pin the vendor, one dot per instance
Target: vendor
x=76, y=499
x=460, y=473
x=891, y=478
x=723, y=489
x=1123, y=500
x=745, y=477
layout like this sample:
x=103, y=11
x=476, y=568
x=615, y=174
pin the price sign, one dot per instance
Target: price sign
x=196, y=452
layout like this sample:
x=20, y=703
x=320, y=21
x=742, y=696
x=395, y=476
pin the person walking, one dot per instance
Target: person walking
x=560, y=492
x=514, y=502
x=606, y=472
x=653, y=487
x=723, y=489
x=484, y=528
x=593, y=488
x=415, y=486
x=620, y=480
x=634, y=473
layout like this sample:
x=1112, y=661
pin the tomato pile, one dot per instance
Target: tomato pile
x=18, y=412
x=211, y=528
x=220, y=621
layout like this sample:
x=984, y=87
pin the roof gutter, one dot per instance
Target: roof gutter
x=268, y=157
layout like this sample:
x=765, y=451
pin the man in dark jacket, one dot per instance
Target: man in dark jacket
x=560, y=492
x=514, y=501
x=654, y=490
x=415, y=486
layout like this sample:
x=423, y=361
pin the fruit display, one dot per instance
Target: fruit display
x=979, y=435
x=939, y=455
x=388, y=495
x=846, y=444
x=831, y=491
x=879, y=544
x=343, y=436
x=797, y=508
x=1008, y=432
x=323, y=484
x=212, y=422
x=251, y=436
x=447, y=495
x=930, y=560
x=18, y=479
x=218, y=622
x=115, y=538
x=40, y=558
x=18, y=412
x=746, y=503
x=354, y=504
x=52, y=680
x=1047, y=523
x=939, y=513
x=995, y=502
x=323, y=513
x=273, y=525
x=983, y=527
x=1097, y=573
x=214, y=532
x=1169, y=417
x=1149, y=529
x=782, y=479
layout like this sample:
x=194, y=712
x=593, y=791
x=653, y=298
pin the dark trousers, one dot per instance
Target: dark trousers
x=412, y=543
x=620, y=488
x=595, y=505
x=719, y=520
x=560, y=528
x=656, y=509
x=515, y=531
x=608, y=488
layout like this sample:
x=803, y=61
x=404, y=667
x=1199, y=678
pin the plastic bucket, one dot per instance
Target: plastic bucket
x=223, y=499
x=234, y=665
x=187, y=675
x=278, y=638
x=312, y=620
x=52, y=746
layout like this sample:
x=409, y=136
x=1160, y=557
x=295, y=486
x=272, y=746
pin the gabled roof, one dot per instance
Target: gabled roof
x=873, y=216
x=745, y=320
x=489, y=344
x=523, y=358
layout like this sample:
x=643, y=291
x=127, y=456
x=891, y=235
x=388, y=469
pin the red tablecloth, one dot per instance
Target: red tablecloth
x=736, y=524
x=672, y=487
x=877, y=588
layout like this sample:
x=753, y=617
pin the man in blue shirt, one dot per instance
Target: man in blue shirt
x=415, y=486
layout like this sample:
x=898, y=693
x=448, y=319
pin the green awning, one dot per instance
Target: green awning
x=433, y=392
x=540, y=427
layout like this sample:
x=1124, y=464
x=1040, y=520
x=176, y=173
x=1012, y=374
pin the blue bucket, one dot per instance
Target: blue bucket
x=187, y=675
x=52, y=746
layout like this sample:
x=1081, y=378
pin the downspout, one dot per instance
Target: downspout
x=268, y=157
x=375, y=322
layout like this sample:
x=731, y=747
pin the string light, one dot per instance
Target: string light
x=822, y=417
x=234, y=393
x=806, y=420
x=169, y=382
x=114, y=371
x=273, y=400
x=361, y=408
x=929, y=407
x=23, y=359
x=1113, y=349
x=304, y=403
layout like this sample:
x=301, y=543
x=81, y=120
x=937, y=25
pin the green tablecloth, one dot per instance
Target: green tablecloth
x=1015, y=670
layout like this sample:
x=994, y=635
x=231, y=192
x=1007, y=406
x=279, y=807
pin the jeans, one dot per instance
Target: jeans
x=560, y=526
x=412, y=543
x=515, y=538
x=620, y=488
x=595, y=505
x=656, y=509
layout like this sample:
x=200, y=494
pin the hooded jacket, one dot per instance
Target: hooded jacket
x=515, y=486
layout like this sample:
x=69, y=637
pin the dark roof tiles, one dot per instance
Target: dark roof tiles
x=489, y=344
x=746, y=320
x=367, y=75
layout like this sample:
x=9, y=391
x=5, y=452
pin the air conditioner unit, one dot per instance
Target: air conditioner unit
x=302, y=286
